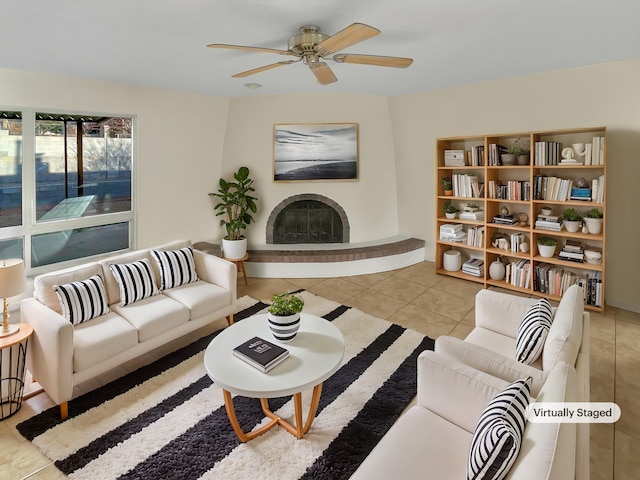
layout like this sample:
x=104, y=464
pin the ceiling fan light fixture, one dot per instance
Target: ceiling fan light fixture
x=306, y=40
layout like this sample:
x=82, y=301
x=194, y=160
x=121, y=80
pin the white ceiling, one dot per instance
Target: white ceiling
x=162, y=43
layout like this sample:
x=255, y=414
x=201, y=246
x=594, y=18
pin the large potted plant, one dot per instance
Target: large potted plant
x=284, y=315
x=236, y=204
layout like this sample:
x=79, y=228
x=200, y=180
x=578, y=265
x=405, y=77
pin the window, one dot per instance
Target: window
x=69, y=190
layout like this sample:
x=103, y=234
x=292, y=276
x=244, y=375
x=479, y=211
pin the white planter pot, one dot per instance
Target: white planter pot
x=284, y=328
x=452, y=260
x=233, y=249
x=572, y=226
x=594, y=225
x=546, y=251
x=450, y=215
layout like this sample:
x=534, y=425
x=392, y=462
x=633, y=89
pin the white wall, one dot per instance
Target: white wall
x=599, y=95
x=178, y=146
x=369, y=202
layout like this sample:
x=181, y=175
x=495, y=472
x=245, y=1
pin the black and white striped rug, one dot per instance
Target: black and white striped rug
x=167, y=420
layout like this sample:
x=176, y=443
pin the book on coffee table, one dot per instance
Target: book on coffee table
x=260, y=353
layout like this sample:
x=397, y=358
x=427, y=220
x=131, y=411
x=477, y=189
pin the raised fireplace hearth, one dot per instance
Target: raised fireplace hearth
x=307, y=219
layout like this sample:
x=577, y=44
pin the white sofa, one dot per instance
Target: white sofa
x=61, y=355
x=491, y=346
x=433, y=438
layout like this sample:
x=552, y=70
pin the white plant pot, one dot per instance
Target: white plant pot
x=546, y=251
x=572, y=226
x=594, y=225
x=234, y=248
x=450, y=215
x=452, y=260
x=284, y=328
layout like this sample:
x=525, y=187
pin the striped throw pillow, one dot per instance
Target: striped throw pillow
x=83, y=300
x=533, y=331
x=136, y=281
x=177, y=267
x=498, y=435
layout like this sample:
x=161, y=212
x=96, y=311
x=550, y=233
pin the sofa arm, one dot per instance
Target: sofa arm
x=215, y=270
x=501, y=312
x=50, y=351
x=454, y=391
x=490, y=362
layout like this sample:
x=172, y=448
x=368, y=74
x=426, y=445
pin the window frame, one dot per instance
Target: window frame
x=31, y=227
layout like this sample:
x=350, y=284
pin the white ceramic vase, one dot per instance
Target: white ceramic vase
x=497, y=270
x=452, y=260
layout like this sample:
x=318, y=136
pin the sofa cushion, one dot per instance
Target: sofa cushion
x=100, y=339
x=83, y=300
x=565, y=335
x=43, y=284
x=498, y=435
x=177, y=267
x=421, y=444
x=136, y=281
x=153, y=315
x=533, y=331
x=201, y=298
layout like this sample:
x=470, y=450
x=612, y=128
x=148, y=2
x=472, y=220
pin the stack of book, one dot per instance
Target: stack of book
x=583, y=194
x=474, y=266
x=549, y=222
x=573, y=251
x=477, y=215
x=261, y=354
x=452, y=232
x=505, y=219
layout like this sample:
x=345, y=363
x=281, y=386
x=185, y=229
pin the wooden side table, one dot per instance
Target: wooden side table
x=240, y=265
x=13, y=353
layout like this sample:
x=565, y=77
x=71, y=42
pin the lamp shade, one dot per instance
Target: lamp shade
x=12, y=279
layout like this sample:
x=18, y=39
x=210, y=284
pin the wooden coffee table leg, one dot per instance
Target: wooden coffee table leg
x=231, y=413
x=298, y=431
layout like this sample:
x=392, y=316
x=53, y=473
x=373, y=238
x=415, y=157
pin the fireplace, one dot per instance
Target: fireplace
x=307, y=218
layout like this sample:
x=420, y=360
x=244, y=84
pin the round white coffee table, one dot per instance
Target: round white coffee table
x=314, y=355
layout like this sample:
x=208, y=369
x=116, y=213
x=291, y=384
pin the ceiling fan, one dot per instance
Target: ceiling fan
x=312, y=47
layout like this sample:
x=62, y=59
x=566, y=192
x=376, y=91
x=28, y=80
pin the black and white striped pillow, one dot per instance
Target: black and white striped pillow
x=533, y=331
x=83, y=300
x=136, y=281
x=177, y=267
x=498, y=434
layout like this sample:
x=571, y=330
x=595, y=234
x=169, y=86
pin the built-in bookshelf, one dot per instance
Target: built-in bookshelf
x=562, y=169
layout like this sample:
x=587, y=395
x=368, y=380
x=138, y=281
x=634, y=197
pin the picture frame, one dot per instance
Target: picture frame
x=315, y=151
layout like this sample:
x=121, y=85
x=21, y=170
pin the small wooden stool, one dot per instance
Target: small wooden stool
x=240, y=265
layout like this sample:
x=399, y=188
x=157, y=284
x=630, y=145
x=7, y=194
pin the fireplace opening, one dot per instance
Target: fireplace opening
x=307, y=218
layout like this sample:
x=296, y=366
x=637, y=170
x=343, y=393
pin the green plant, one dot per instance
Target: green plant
x=236, y=203
x=571, y=215
x=516, y=150
x=593, y=213
x=547, y=241
x=286, y=303
x=450, y=208
x=446, y=183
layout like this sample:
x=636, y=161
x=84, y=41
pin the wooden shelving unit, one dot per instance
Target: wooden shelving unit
x=590, y=275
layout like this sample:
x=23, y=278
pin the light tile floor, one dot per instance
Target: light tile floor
x=417, y=298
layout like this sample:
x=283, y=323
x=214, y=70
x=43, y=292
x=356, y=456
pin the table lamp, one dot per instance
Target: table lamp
x=12, y=283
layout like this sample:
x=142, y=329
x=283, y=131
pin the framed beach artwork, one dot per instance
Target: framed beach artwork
x=315, y=151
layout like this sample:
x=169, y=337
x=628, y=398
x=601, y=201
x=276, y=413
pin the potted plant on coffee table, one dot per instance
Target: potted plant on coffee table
x=547, y=246
x=284, y=315
x=571, y=220
x=236, y=205
x=593, y=220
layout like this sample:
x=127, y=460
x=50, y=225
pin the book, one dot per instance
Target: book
x=260, y=353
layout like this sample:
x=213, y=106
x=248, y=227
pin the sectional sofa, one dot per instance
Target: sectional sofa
x=94, y=317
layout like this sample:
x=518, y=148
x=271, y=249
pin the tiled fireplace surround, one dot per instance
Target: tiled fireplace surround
x=321, y=253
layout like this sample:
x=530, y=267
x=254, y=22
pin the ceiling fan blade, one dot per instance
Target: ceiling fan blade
x=378, y=60
x=354, y=33
x=250, y=49
x=323, y=73
x=262, y=69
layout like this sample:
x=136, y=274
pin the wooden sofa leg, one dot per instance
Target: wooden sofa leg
x=230, y=319
x=64, y=410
